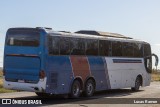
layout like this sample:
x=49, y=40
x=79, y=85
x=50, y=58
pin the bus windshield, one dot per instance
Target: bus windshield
x=23, y=38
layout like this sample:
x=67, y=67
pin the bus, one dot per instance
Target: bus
x=50, y=62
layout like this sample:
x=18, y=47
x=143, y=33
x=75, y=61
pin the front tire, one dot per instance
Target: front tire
x=137, y=84
x=75, y=89
x=89, y=88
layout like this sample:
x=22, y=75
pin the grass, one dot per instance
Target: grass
x=155, y=76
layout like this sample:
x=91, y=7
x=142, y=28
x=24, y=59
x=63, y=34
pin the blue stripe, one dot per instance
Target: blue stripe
x=127, y=61
x=98, y=72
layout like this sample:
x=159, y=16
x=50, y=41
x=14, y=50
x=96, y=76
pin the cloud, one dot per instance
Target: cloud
x=157, y=44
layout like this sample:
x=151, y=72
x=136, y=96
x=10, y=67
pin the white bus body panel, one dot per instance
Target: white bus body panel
x=41, y=85
x=123, y=75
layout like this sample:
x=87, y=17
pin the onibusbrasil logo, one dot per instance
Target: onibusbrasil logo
x=15, y=101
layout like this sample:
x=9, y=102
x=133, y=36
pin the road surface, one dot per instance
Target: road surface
x=99, y=99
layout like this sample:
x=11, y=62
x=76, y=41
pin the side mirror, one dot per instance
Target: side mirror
x=156, y=58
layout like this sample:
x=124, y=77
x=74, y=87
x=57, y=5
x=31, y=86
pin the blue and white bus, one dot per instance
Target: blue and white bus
x=48, y=62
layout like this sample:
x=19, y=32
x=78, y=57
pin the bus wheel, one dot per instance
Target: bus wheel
x=137, y=84
x=89, y=88
x=75, y=90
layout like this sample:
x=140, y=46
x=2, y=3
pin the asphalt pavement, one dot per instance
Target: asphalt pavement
x=146, y=97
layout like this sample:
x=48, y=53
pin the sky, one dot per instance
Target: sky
x=139, y=19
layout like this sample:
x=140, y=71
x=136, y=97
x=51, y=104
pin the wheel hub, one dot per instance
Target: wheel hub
x=89, y=88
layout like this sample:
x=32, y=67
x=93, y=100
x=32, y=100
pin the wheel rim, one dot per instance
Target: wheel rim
x=76, y=90
x=89, y=88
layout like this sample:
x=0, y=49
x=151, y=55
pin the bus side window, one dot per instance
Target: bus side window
x=138, y=50
x=116, y=48
x=64, y=46
x=53, y=45
x=91, y=47
x=127, y=49
x=104, y=48
x=77, y=46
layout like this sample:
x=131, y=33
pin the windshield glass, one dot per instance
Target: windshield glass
x=23, y=38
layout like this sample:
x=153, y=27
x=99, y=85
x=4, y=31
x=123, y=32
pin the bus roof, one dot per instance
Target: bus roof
x=85, y=34
x=102, y=37
x=100, y=33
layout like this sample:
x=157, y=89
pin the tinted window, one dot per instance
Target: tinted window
x=65, y=46
x=104, y=48
x=127, y=49
x=91, y=47
x=116, y=48
x=147, y=50
x=77, y=46
x=53, y=45
x=138, y=50
x=23, y=38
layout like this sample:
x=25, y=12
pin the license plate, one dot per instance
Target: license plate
x=21, y=81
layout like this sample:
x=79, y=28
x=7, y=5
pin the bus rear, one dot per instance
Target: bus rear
x=23, y=58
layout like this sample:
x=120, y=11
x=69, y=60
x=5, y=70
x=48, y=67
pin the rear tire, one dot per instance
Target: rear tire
x=137, y=84
x=89, y=88
x=75, y=89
